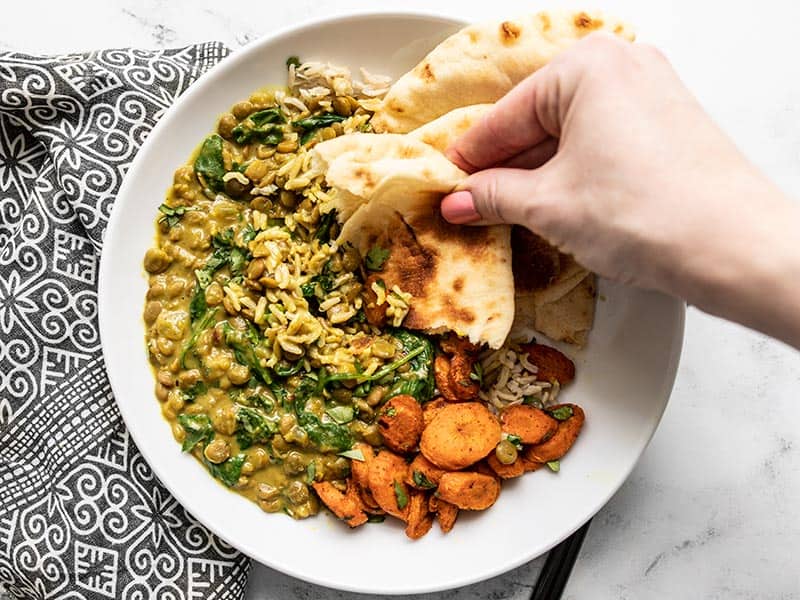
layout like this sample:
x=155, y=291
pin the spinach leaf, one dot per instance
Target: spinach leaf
x=198, y=430
x=226, y=253
x=171, y=215
x=191, y=393
x=243, y=346
x=198, y=327
x=310, y=125
x=375, y=258
x=418, y=381
x=209, y=163
x=326, y=221
x=245, y=134
x=229, y=471
x=260, y=127
x=327, y=437
x=198, y=306
x=268, y=115
x=284, y=369
x=253, y=427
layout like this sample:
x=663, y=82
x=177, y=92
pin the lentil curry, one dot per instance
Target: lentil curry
x=281, y=359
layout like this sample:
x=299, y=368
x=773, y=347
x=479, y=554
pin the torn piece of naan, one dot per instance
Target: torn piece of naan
x=361, y=164
x=553, y=294
x=482, y=62
x=388, y=187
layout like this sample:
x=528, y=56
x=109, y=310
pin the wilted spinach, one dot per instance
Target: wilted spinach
x=260, y=127
x=229, y=471
x=253, y=427
x=209, y=164
x=198, y=430
x=244, y=345
x=310, y=125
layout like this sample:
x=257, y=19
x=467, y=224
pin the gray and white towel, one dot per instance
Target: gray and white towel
x=81, y=513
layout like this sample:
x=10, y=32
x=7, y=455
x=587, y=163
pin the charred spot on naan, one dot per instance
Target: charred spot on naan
x=509, y=32
x=535, y=262
x=583, y=21
x=366, y=176
x=410, y=265
x=425, y=72
x=544, y=19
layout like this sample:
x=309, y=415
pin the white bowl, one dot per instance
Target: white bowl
x=624, y=375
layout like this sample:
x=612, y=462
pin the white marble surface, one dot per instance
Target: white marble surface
x=713, y=508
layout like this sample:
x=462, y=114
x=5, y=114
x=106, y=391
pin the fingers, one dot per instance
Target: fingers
x=535, y=157
x=494, y=196
x=506, y=130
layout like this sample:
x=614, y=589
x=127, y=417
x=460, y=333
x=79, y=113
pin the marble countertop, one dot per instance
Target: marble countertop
x=713, y=508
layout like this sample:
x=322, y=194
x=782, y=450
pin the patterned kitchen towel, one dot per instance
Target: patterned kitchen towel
x=81, y=514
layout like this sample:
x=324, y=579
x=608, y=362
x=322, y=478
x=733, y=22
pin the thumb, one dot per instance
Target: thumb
x=495, y=196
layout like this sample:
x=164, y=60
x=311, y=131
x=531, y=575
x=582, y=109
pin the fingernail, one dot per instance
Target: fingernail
x=459, y=208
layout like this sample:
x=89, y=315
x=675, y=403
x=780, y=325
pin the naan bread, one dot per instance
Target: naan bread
x=563, y=312
x=460, y=278
x=445, y=130
x=481, y=63
x=362, y=166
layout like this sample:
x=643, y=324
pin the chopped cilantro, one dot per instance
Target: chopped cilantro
x=554, y=466
x=311, y=472
x=172, y=214
x=400, y=494
x=516, y=440
x=420, y=480
x=562, y=413
x=376, y=257
x=354, y=454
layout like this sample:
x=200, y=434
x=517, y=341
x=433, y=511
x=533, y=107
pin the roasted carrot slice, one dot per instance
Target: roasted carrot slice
x=468, y=490
x=562, y=440
x=446, y=514
x=460, y=435
x=441, y=372
x=515, y=469
x=419, y=519
x=387, y=476
x=461, y=384
x=529, y=423
x=400, y=422
x=423, y=474
x=430, y=409
x=360, y=469
x=347, y=506
x=553, y=364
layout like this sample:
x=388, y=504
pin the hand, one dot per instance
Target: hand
x=607, y=155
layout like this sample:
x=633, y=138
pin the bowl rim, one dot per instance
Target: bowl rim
x=105, y=314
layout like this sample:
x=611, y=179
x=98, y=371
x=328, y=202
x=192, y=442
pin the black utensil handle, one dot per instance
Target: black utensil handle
x=558, y=566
